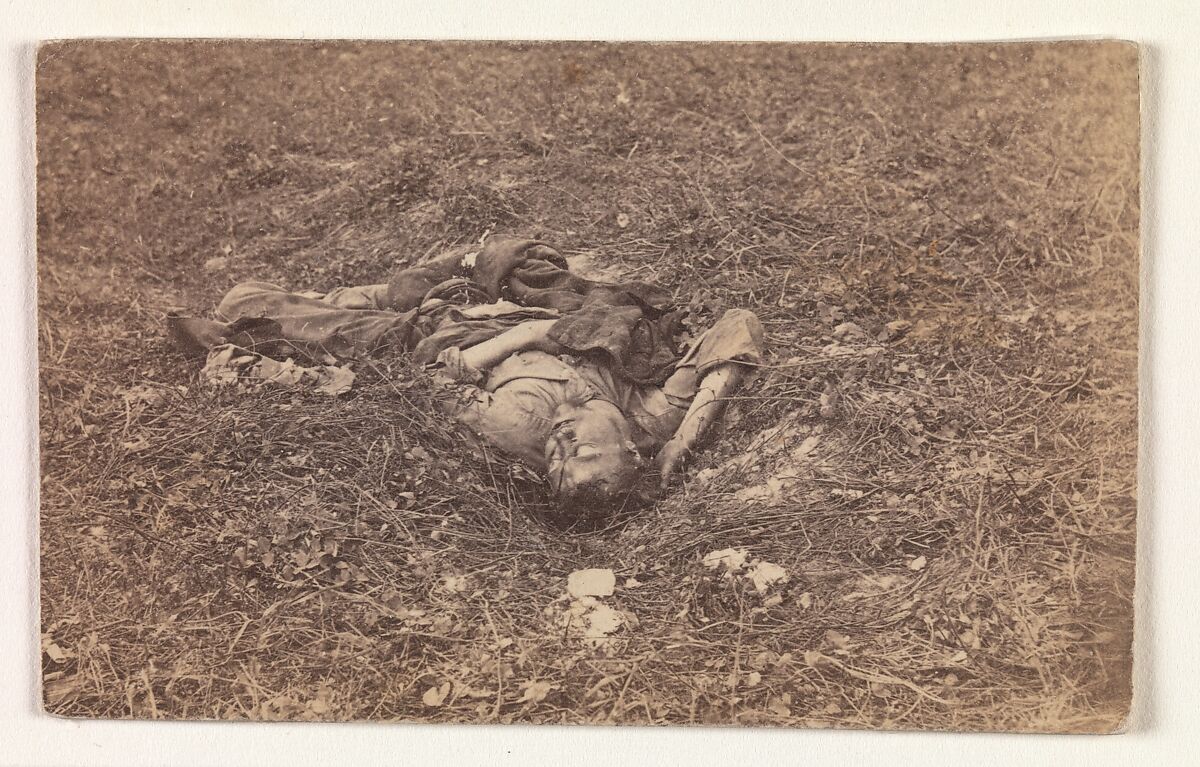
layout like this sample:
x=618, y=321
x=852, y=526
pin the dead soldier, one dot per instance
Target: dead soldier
x=578, y=379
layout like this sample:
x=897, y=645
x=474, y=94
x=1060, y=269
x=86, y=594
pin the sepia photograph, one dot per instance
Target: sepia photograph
x=756, y=384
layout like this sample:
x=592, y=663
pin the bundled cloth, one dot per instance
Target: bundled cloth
x=629, y=326
x=459, y=299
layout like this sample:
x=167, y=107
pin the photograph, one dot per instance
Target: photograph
x=766, y=384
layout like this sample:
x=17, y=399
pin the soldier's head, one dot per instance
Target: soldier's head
x=592, y=462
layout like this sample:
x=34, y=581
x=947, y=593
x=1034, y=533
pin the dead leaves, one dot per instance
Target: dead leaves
x=300, y=705
x=837, y=640
x=448, y=693
x=789, y=468
x=436, y=696
x=534, y=692
x=298, y=553
x=335, y=379
x=849, y=331
x=229, y=365
x=732, y=560
x=54, y=652
x=762, y=575
x=454, y=584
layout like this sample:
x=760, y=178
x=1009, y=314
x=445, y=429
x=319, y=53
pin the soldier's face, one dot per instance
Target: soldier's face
x=589, y=443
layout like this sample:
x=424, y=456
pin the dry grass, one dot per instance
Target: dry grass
x=280, y=554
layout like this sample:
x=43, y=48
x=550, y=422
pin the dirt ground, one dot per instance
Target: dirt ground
x=940, y=453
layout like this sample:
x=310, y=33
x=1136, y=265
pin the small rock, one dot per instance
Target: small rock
x=591, y=583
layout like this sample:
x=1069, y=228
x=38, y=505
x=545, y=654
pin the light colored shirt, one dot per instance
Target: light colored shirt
x=513, y=406
x=514, y=409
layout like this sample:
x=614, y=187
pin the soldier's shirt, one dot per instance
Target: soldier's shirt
x=512, y=406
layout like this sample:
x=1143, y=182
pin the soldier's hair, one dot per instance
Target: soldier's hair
x=589, y=502
x=598, y=495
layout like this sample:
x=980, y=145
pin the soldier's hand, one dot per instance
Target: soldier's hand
x=670, y=460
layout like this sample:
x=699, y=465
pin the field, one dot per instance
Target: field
x=941, y=241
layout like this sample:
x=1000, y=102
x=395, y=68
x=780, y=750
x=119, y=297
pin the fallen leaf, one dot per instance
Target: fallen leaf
x=477, y=692
x=923, y=329
x=141, y=395
x=732, y=559
x=435, y=696
x=765, y=574
x=806, y=447
x=455, y=584
x=848, y=330
x=839, y=640
x=336, y=380
x=136, y=445
x=594, y=582
x=54, y=652
x=751, y=493
x=535, y=692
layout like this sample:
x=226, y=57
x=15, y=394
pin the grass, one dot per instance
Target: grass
x=941, y=242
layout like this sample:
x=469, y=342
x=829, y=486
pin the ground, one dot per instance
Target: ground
x=940, y=453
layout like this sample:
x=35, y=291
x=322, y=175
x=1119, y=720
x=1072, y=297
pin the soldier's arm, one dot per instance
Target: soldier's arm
x=528, y=335
x=706, y=409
